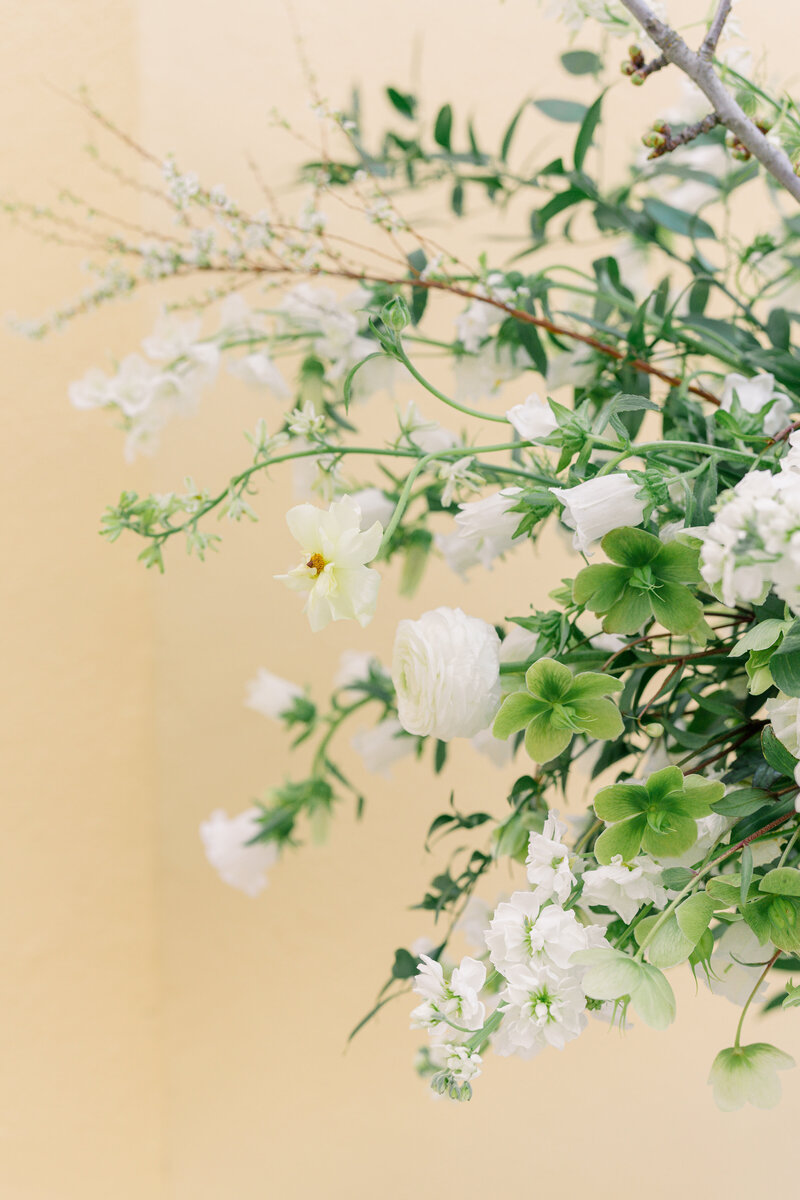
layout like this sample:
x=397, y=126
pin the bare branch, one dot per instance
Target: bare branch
x=730, y=113
x=709, y=43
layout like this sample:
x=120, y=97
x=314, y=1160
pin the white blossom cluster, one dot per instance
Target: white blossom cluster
x=753, y=543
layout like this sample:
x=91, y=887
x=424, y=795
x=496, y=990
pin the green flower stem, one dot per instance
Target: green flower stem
x=667, y=912
x=340, y=451
x=482, y=1034
x=789, y=845
x=434, y=391
x=751, y=998
x=334, y=723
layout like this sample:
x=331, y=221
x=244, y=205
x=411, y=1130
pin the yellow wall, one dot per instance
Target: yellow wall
x=161, y=1035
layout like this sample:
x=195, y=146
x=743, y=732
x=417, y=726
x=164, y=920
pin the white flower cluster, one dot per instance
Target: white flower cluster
x=148, y=392
x=754, y=541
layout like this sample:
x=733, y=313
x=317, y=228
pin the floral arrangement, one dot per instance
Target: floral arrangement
x=658, y=426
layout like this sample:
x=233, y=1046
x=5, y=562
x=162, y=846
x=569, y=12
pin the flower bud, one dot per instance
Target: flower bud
x=395, y=314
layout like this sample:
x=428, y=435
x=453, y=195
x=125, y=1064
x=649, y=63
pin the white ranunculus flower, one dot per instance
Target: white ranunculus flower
x=533, y=419
x=446, y=672
x=270, y=695
x=225, y=842
x=383, y=745
x=754, y=394
x=333, y=572
x=599, y=505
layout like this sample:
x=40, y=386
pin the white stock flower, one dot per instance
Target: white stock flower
x=524, y=932
x=462, y=1064
x=225, y=842
x=334, y=323
x=533, y=419
x=474, y=923
x=753, y=542
x=599, y=505
x=271, y=695
x=754, y=395
x=625, y=887
x=446, y=673
x=445, y=1000
x=383, y=745
x=333, y=573
x=541, y=1007
x=548, y=861
x=92, y=391
x=258, y=370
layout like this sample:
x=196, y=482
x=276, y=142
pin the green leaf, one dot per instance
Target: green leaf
x=508, y=136
x=457, y=199
x=404, y=102
x=581, y=62
x=654, y=999
x=562, y=110
x=676, y=220
x=782, y=881
x=624, y=838
x=677, y=563
x=741, y=803
x=611, y=973
x=586, y=131
x=417, y=261
x=669, y=946
x=760, y=636
x=405, y=965
x=693, y=916
x=776, y=753
x=779, y=330
x=443, y=126
x=675, y=878
x=785, y=662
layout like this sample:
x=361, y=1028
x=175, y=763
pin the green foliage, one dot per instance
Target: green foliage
x=657, y=816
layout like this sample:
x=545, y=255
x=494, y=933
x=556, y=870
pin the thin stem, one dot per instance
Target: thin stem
x=752, y=997
x=434, y=391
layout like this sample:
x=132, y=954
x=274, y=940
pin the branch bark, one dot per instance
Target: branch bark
x=697, y=66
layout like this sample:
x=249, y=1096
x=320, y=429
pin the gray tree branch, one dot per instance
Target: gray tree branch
x=697, y=66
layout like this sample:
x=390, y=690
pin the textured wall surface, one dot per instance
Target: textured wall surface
x=161, y=1035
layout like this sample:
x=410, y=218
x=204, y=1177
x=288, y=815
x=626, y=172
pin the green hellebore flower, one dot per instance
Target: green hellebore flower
x=644, y=579
x=773, y=913
x=613, y=975
x=748, y=1075
x=658, y=816
x=556, y=705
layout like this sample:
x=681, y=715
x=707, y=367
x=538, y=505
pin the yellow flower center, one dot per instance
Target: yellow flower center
x=317, y=563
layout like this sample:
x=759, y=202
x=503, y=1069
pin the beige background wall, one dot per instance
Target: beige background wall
x=160, y=1035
